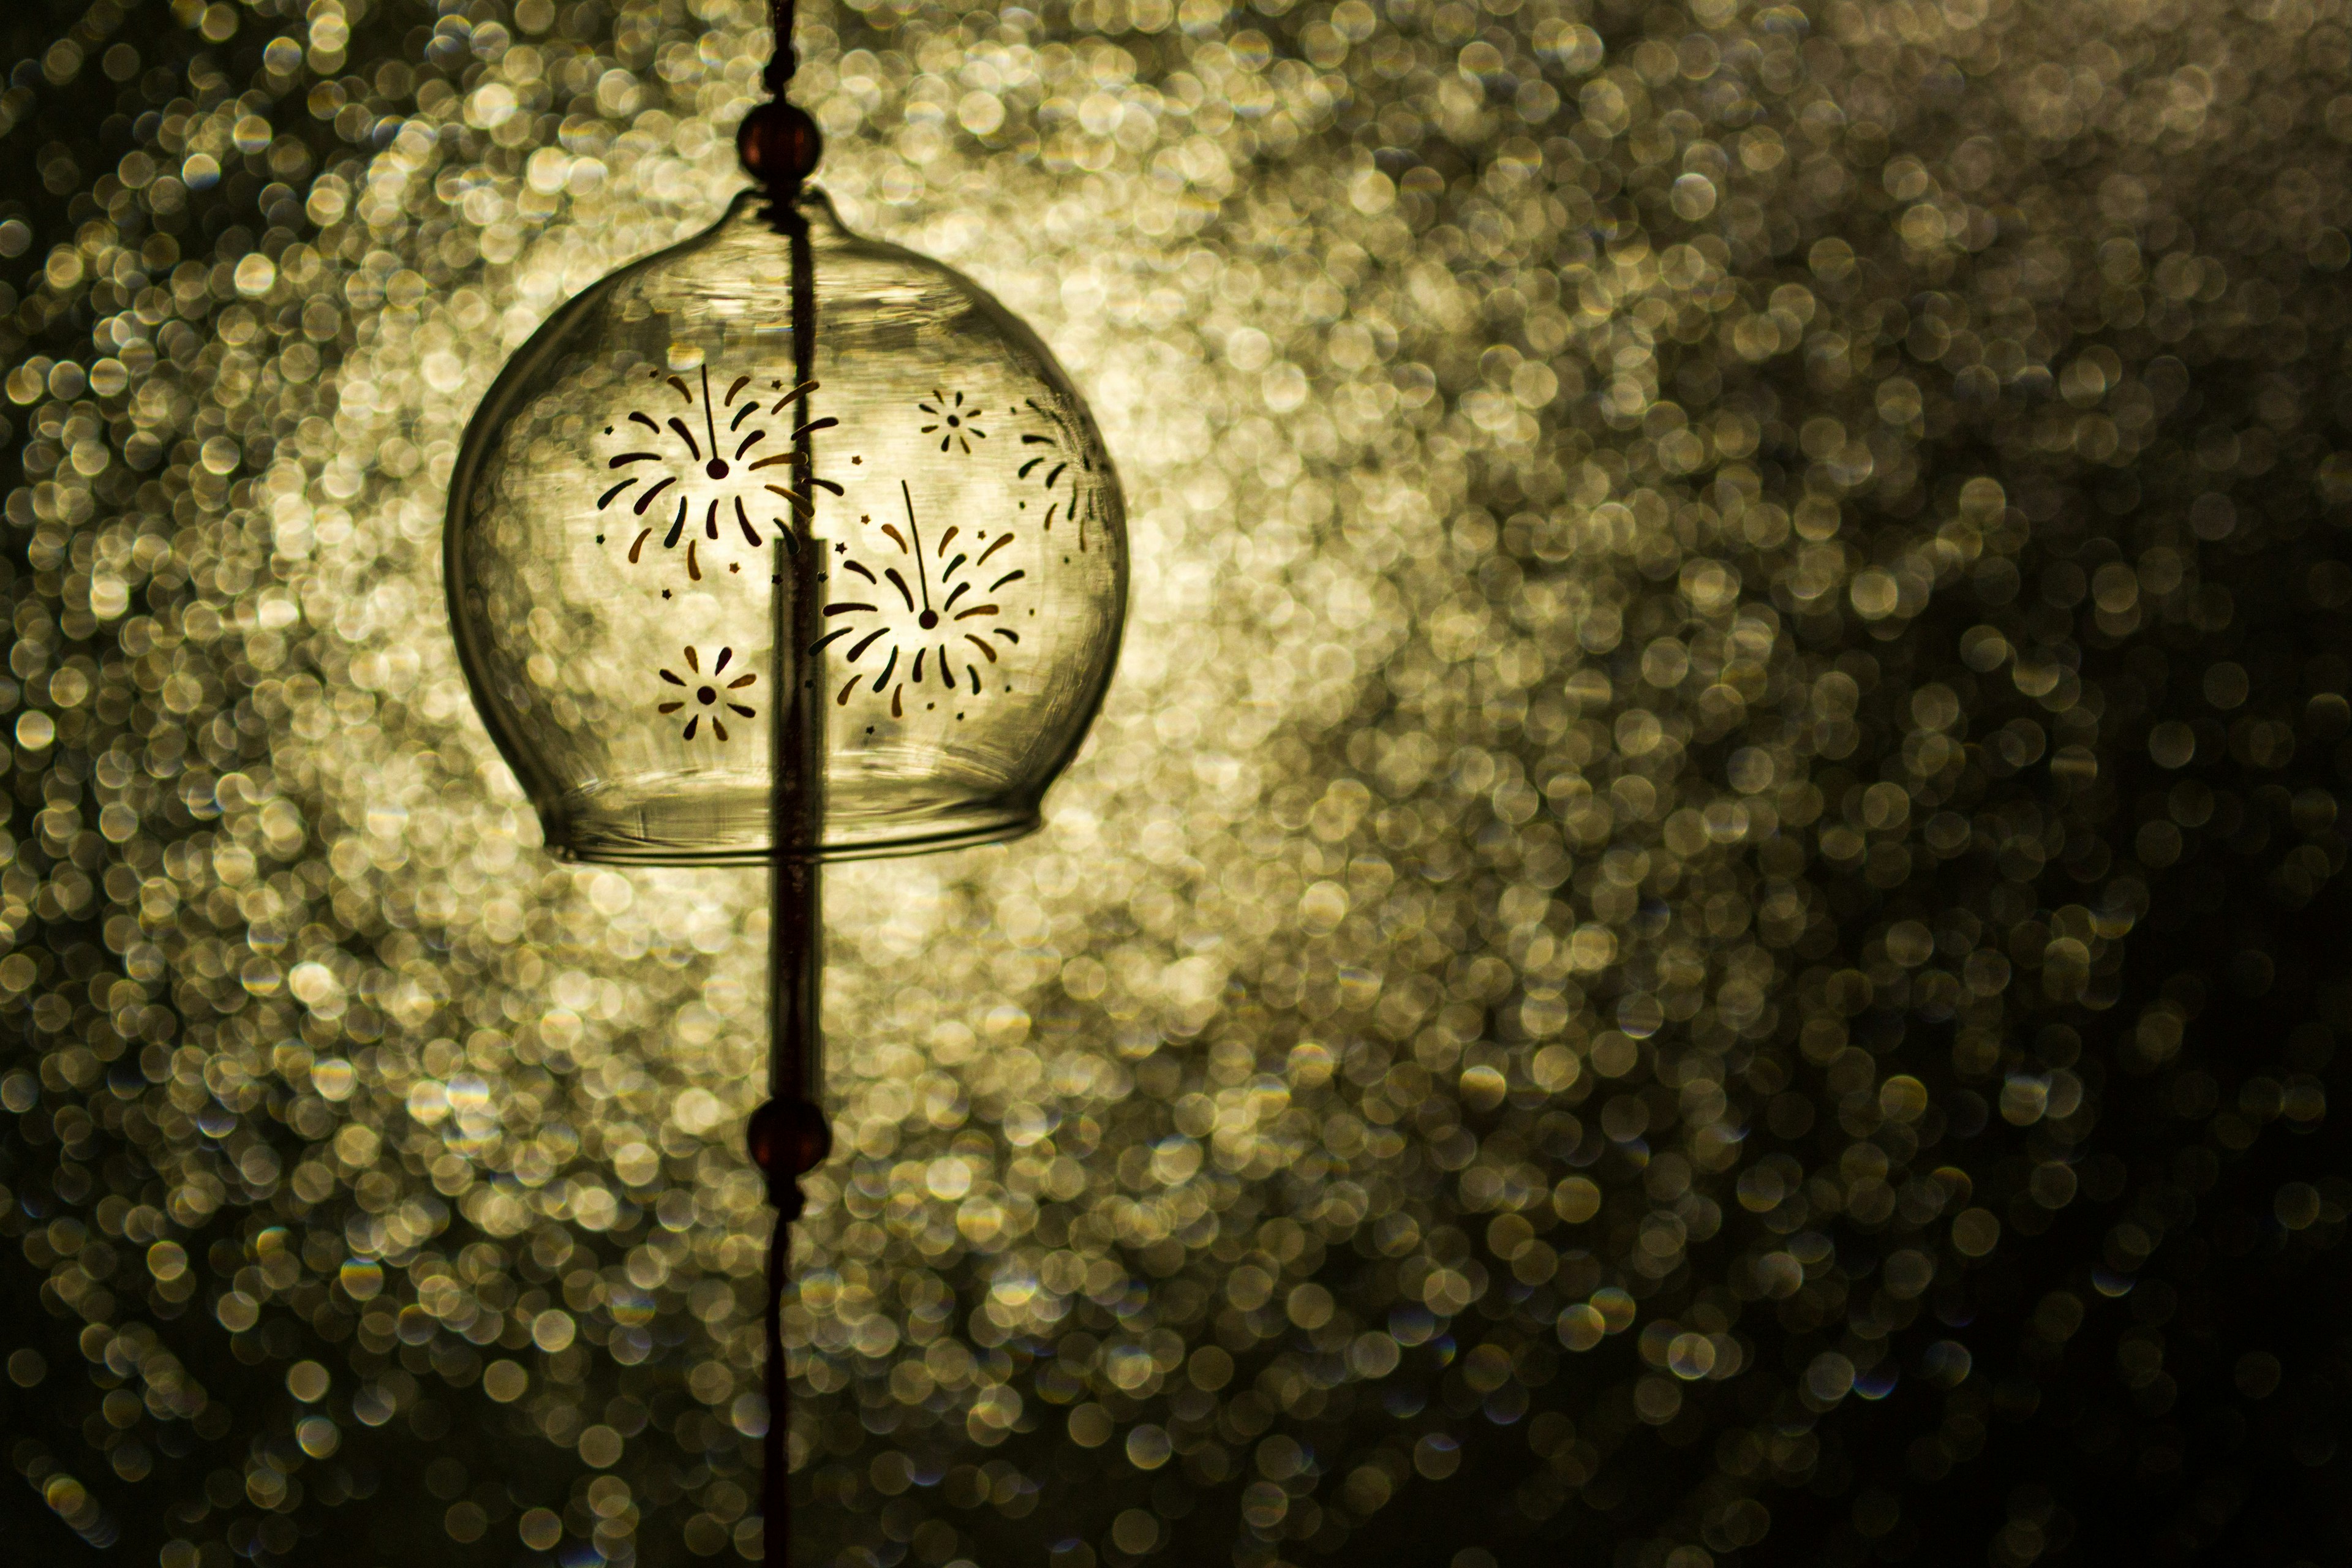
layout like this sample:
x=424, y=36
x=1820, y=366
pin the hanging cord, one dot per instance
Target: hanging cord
x=777, y=141
x=790, y=1136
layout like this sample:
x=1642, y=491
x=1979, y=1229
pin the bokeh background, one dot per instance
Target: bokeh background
x=1705, y=928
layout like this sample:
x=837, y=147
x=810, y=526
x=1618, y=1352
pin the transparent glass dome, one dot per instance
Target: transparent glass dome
x=678, y=501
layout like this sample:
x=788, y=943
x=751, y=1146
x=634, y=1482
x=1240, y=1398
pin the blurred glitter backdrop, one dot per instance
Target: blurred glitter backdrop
x=1705, y=928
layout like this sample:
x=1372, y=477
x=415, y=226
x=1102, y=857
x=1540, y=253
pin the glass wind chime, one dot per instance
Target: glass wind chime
x=784, y=546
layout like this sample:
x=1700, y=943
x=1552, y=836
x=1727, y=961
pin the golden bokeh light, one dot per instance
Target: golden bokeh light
x=1711, y=581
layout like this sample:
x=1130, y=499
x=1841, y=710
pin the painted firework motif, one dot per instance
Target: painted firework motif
x=955, y=424
x=708, y=466
x=920, y=616
x=1061, y=464
x=918, y=611
x=714, y=468
x=708, y=695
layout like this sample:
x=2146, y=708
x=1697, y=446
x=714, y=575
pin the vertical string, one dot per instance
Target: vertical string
x=794, y=976
x=783, y=62
x=789, y=1135
x=775, y=1446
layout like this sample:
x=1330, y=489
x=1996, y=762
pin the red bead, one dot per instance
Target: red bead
x=788, y=1138
x=778, y=145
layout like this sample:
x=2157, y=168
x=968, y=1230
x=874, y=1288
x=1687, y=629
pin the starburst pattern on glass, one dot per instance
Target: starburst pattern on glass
x=929, y=603
x=665, y=456
x=1063, y=455
x=709, y=699
x=951, y=422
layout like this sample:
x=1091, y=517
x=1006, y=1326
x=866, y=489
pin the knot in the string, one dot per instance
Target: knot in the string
x=782, y=64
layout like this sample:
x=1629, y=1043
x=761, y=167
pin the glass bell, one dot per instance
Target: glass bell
x=783, y=493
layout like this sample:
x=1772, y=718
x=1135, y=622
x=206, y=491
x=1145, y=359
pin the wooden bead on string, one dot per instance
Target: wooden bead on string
x=787, y=1139
x=779, y=145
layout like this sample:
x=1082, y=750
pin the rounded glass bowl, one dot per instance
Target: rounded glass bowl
x=768, y=462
